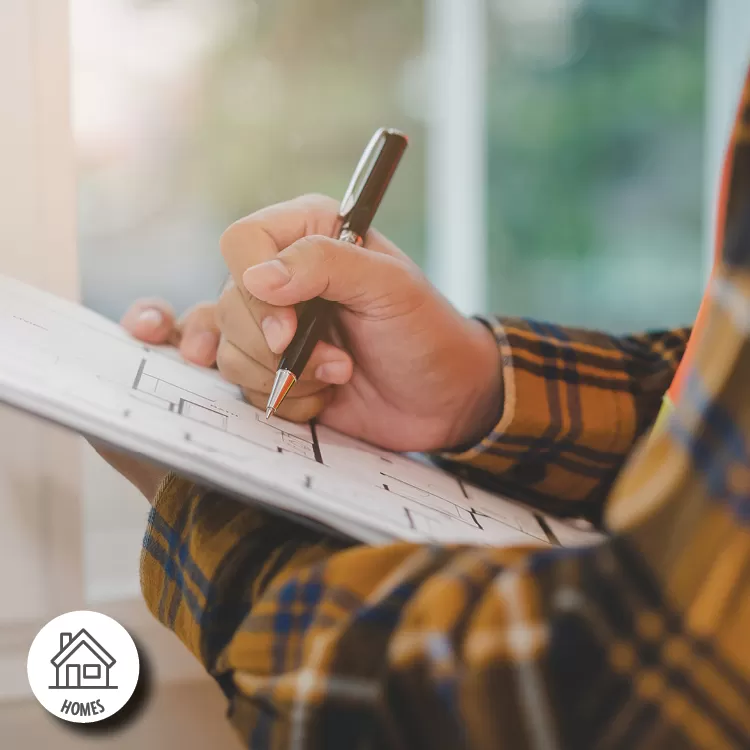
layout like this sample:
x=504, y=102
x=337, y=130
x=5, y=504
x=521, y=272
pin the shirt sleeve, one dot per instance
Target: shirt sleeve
x=318, y=644
x=575, y=401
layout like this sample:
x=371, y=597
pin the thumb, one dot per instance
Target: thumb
x=337, y=271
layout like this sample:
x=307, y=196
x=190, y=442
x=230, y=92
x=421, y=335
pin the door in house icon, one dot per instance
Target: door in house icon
x=73, y=675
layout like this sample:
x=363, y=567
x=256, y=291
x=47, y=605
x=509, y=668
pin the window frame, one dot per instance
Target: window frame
x=97, y=668
x=455, y=40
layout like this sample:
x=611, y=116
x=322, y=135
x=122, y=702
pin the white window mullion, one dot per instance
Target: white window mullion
x=457, y=151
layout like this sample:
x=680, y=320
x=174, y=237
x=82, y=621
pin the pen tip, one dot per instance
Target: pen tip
x=281, y=386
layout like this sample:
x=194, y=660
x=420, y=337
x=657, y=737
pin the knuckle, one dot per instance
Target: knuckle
x=201, y=316
x=225, y=306
x=231, y=311
x=317, y=202
x=302, y=409
x=405, y=272
x=319, y=211
x=231, y=238
x=227, y=285
x=255, y=398
x=229, y=362
x=317, y=249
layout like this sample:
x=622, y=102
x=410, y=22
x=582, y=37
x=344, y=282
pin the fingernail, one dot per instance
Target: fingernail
x=273, y=331
x=202, y=346
x=336, y=373
x=151, y=317
x=271, y=275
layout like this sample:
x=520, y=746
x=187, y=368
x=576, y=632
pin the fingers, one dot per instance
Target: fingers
x=196, y=334
x=245, y=359
x=151, y=321
x=238, y=325
x=261, y=235
x=239, y=329
x=200, y=335
x=279, y=257
x=327, y=366
x=258, y=238
x=361, y=280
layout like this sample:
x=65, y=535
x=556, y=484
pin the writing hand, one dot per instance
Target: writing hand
x=404, y=370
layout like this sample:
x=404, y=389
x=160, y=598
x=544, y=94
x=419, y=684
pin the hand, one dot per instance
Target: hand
x=404, y=369
x=196, y=336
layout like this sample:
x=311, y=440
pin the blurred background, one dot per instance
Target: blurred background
x=192, y=113
x=563, y=165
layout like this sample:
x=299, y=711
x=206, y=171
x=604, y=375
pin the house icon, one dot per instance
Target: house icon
x=81, y=663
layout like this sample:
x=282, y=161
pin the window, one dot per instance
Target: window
x=596, y=137
x=92, y=671
x=191, y=115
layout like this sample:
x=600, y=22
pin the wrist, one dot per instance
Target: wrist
x=483, y=407
x=142, y=474
x=148, y=479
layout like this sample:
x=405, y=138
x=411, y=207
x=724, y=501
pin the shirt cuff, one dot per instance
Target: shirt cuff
x=567, y=419
x=469, y=454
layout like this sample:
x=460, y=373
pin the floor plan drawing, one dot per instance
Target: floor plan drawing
x=435, y=510
x=174, y=398
x=69, y=365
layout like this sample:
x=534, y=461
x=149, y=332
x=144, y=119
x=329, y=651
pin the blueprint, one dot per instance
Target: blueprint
x=72, y=366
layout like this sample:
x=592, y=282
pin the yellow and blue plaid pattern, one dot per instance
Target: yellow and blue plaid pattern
x=575, y=401
x=320, y=644
x=640, y=642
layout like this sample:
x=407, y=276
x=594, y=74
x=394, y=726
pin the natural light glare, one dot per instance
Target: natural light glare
x=126, y=58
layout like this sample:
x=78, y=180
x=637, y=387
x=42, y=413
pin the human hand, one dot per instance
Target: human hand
x=195, y=334
x=197, y=338
x=404, y=369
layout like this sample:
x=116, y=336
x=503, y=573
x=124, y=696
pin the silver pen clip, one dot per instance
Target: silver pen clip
x=363, y=196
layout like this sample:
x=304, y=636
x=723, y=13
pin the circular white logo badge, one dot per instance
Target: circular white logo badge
x=83, y=667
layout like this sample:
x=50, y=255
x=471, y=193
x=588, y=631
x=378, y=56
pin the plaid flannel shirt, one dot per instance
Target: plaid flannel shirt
x=641, y=641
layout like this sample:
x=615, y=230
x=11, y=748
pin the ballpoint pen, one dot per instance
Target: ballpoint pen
x=361, y=201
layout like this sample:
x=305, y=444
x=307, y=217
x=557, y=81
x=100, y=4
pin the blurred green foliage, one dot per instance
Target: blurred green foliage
x=601, y=152
x=595, y=126
x=293, y=95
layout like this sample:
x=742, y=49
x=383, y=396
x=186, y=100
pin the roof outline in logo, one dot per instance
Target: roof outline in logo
x=81, y=638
